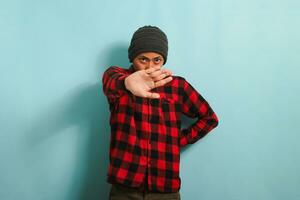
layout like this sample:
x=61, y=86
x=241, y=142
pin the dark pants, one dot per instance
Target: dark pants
x=118, y=192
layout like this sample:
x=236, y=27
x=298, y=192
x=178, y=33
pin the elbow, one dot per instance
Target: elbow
x=214, y=120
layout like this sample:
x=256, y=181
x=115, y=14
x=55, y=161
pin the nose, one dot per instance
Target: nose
x=150, y=64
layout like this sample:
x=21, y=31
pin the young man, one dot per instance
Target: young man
x=146, y=103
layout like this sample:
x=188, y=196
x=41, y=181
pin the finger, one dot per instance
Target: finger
x=163, y=81
x=159, y=74
x=152, y=95
x=156, y=73
x=168, y=72
x=162, y=76
x=152, y=69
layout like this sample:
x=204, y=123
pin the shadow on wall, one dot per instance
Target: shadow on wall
x=86, y=108
x=95, y=185
x=83, y=108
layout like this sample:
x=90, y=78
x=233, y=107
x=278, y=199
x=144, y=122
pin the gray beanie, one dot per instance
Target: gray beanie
x=148, y=39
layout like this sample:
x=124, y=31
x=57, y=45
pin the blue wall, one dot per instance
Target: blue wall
x=242, y=56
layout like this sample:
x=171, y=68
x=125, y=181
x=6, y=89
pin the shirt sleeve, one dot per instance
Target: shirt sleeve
x=113, y=82
x=195, y=106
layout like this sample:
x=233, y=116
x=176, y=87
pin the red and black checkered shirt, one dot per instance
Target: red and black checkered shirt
x=146, y=134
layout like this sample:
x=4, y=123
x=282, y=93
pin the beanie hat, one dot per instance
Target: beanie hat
x=148, y=39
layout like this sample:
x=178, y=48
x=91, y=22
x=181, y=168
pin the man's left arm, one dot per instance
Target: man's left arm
x=195, y=106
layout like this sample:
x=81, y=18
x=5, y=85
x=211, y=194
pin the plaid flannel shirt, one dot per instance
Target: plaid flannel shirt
x=146, y=133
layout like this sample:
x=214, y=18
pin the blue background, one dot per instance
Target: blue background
x=242, y=56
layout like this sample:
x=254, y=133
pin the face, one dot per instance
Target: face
x=147, y=60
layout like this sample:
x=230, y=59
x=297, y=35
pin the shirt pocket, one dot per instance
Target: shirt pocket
x=167, y=105
x=170, y=109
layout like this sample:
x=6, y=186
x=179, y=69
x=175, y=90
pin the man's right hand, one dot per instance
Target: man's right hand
x=141, y=82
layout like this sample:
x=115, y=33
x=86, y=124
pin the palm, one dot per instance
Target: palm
x=141, y=82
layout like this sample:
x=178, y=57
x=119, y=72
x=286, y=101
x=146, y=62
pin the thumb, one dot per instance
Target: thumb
x=152, y=95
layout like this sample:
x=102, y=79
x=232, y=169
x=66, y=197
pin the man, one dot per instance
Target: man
x=146, y=103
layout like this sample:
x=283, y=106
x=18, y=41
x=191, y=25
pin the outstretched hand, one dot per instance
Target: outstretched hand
x=141, y=82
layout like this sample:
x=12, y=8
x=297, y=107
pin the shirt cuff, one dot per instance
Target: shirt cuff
x=183, y=138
